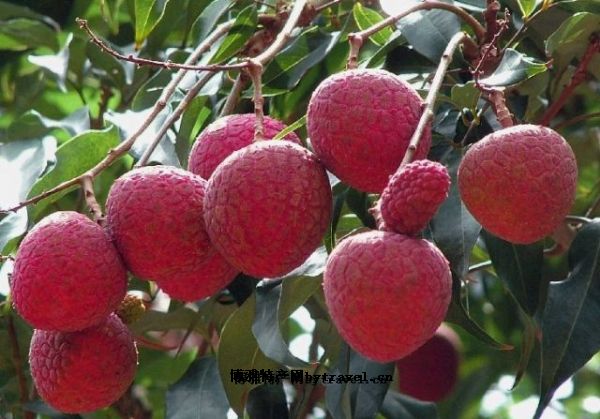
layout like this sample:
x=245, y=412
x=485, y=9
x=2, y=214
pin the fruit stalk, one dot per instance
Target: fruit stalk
x=436, y=84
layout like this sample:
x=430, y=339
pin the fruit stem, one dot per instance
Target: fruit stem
x=356, y=39
x=87, y=186
x=254, y=71
x=429, y=103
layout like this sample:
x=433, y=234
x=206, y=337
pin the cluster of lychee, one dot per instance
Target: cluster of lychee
x=262, y=207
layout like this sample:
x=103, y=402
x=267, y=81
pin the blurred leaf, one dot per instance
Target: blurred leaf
x=180, y=319
x=291, y=128
x=570, y=336
x=430, y=31
x=365, y=18
x=199, y=390
x=10, y=11
x=32, y=124
x=20, y=34
x=267, y=402
x=238, y=350
x=513, y=69
x=465, y=95
x=243, y=28
x=454, y=229
x=400, y=406
x=359, y=204
x=208, y=19
x=591, y=6
x=147, y=15
x=73, y=158
x=57, y=65
x=528, y=6
x=519, y=267
x=107, y=66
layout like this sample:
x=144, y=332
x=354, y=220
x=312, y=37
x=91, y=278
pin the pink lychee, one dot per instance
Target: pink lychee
x=519, y=182
x=360, y=123
x=412, y=196
x=83, y=371
x=226, y=135
x=68, y=275
x=386, y=293
x=267, y=207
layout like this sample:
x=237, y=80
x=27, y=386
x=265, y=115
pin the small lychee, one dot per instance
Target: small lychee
x=226, y=135
x=207, y=279
x=267, y=207
x=83, y=371
x=386, y=293
x=431, y=372
x=360, y=123
x=155, y=216
x=412, y=197
x=519, y=182
x=68, y=275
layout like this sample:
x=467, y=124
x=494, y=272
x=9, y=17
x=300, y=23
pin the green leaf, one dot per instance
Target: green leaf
x=528, y=6
x=199, y=390
x=32, y=124
x=243, y=28
x=74, y=158
x=147, y=15
x=400, y=406
x=267, y=401
x=292, y=127
x=570, y=334
x=108, y=66
x=20, y=34
x=592, y=6
x=183, y=318
x=365, y=18
x=359, y=204
x=514, y=68
x=208, y=19
x=571, y=39
x=453, y=228
x=238, y=350
x=519, y=267
x=465, y=95
x=57, y=65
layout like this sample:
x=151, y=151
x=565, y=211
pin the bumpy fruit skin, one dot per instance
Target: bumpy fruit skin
x=386, y=293
x=360, y=123
x=68, y=275
x=267, y=207
x=211, y=276
x=154, y=215
x=430, y=372
x=412, y=196
x=83, y=371
x=519, y=182
x=226, y=135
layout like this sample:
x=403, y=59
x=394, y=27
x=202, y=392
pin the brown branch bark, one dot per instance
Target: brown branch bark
x=87, y=186
x=234, y=95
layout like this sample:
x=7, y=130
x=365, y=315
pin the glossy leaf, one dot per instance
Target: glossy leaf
x=243, y=27
x=514, y=68
x=147, y=15
x=20, y=34
x=528, y=6
x=57, y=65
x=365, y=18
x=208, y=19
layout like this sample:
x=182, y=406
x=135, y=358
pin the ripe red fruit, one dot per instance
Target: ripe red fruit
x=83, y=371
x=430, y=372
x=208, y=278
x=386, y=293
x=267, y=207
x=360, y=123
x=519, y=182
x=155, y=215
x=68, y=275
x=412, y=196
x=226, y=135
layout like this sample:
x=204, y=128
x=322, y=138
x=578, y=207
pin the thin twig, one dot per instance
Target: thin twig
x=83, y=24
x=356, y=39
x=576, y=120
x=17, y=360
x=190, y=95
x=234, y=95
x=87, y=186
x=327, y=5
x=578, y=78
x=429, y=104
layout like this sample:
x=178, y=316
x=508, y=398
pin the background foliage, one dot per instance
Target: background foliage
x=64, y=104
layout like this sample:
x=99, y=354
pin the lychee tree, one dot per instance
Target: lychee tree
x=203, y=201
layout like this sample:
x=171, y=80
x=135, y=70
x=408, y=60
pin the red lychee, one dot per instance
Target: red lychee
x=155, y=215
x=83, y=371
x=68, y=275
x=413, y=196
x=209, y=277
x=519, y=182
x=226, y=135
x=267, y=207
x=360, y=123
x=430, y=372
x=386, y=293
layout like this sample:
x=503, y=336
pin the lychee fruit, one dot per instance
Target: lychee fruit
x=519, y=182
x=226, y=135
x=360, y=123
x=412, y=197
x=83, y=371
x=431, y=372
x=68, y=275
x=155, y=216
x=267, y=207
x=387, y=293
x=208, y=278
